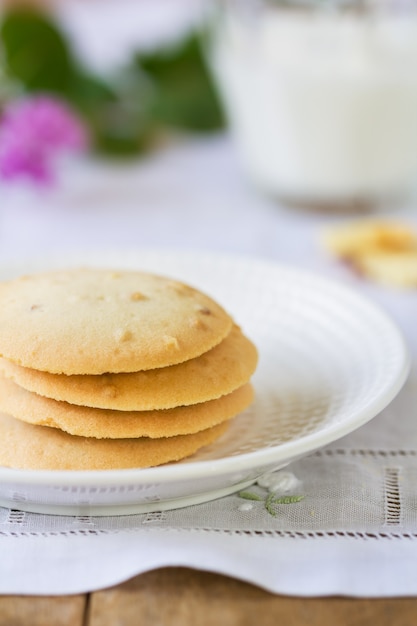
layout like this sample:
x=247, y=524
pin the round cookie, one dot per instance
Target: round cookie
x=217, y=372
x=106, y=423
x=92, y=321
x=25, y=446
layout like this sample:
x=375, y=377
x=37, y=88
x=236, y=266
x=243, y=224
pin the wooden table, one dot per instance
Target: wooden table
x=184, y=597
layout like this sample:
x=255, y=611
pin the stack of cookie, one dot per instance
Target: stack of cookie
x=109, y=369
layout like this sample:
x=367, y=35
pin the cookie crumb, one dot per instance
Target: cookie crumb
x=171, y=342
x=198, y=323
x=137, y=295
x=123, y=334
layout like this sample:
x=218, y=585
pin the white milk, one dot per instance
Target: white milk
x=323, y=105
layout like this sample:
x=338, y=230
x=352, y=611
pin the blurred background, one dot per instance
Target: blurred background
x=205, y=123
x=130, y=68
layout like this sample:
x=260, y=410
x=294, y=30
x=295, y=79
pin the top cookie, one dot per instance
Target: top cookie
x=93, y=321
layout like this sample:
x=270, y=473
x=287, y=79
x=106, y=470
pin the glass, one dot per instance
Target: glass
x=321, y=97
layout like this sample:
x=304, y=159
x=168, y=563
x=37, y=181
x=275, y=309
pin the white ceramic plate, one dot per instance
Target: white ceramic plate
x=329, y=362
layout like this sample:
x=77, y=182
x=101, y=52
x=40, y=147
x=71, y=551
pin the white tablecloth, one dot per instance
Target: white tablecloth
x=355, y=532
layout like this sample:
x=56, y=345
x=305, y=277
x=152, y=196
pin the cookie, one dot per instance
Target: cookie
x=352, y=239
x=219, y=371
x=106, y=423
x=396, y=270
x=379, y=250
x=92, y=321
x=25, y=446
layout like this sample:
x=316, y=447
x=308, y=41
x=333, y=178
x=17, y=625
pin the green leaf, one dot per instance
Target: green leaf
x=287, y=499
x=249, y=495
x=271, y=500
x=184, y=95
x=35, y=51
x=117, y=115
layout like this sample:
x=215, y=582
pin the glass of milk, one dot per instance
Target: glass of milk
x=321, y=96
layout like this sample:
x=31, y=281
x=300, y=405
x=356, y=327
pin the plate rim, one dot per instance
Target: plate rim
x=169, y=473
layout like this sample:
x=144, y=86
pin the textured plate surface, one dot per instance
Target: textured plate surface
x=329, y=362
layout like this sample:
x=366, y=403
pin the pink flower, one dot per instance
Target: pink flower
x=33, y=132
